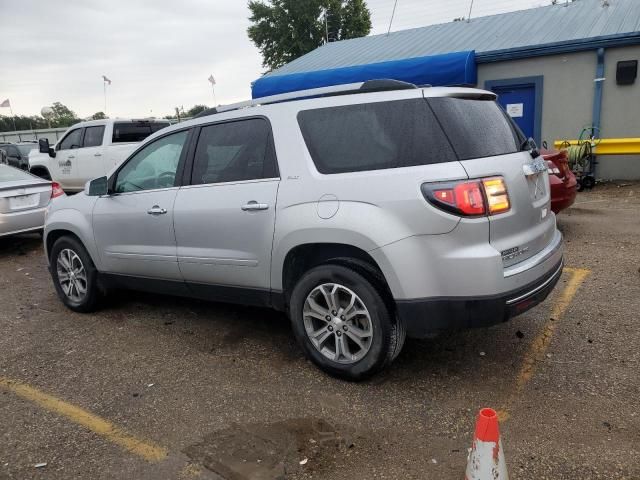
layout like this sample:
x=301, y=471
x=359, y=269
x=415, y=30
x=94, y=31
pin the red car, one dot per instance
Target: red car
x=564, y=185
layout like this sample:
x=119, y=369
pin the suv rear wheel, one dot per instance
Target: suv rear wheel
x=74, y=275
x=343, y=323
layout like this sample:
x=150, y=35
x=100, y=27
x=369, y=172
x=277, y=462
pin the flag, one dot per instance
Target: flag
x=104, y=77
x=212, y=80
x=5, y=104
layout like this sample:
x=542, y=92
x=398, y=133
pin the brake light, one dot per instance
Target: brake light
x=497, y=196
x=487, y=196
x=56, y=190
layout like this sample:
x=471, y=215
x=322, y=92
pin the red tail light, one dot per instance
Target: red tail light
x=469, y=198
x=56, y=190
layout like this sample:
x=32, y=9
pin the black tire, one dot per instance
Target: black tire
x=90, y=301
x=388, y=334
x=41, y=172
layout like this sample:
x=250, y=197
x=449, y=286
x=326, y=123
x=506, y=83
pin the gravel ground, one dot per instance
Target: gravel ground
x=226, y=390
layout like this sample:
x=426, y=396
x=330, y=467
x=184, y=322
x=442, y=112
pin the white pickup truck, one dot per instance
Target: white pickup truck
x=89, y=150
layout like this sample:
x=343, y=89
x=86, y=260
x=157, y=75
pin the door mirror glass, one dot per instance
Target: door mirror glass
x=97, y=187
x=43, y=145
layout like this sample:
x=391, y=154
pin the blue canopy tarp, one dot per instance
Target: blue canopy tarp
x=457, y=68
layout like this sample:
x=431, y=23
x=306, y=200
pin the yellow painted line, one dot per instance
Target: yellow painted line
x=102, y=427
x=541, y=343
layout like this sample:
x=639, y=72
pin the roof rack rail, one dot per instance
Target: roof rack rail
x=369, y=86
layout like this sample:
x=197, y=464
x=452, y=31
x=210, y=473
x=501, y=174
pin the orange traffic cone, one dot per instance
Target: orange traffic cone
x=486, y=458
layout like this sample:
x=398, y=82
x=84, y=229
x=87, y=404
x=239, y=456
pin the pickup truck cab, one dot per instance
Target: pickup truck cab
x=90, y=149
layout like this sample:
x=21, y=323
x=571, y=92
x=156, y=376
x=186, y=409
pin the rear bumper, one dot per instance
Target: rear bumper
x=21, y=222
x=563, y=195
x=424, y=317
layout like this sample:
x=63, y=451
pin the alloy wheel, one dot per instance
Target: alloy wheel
x=338, y=323
x=72, y=275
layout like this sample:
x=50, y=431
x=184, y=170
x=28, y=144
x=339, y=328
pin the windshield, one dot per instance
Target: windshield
x=25, y=149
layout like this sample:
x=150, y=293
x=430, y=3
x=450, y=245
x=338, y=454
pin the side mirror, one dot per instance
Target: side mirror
x=43, y=145
x=533, y=148
x=97, y=187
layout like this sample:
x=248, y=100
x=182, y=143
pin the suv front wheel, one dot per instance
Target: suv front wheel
x=74, y=275
x=343, y=323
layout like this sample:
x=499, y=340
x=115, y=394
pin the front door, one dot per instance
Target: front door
x=225, y=219
x=64, y=167
x=133, y=226
x=519, y=101
x=89, y=158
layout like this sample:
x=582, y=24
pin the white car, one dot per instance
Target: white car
x=89, y=150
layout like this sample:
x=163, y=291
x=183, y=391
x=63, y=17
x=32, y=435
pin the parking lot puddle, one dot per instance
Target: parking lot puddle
x=270, y=451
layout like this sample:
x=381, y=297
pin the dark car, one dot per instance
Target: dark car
x=564, y=186
x=17, y=154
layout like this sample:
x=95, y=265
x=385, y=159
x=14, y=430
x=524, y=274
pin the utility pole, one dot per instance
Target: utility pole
x=393, y=13
x=470, y=8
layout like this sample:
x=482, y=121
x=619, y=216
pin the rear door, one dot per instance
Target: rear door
x=488, y=144
x=225, y=219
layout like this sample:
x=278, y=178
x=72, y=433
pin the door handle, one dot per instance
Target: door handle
x=97, y=154
x=156, y=210
x=252, y=206
x=70, y=157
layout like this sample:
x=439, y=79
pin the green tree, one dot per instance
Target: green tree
x=62, y=116
x=99, y=116
x=284, y=30
x=195, y=110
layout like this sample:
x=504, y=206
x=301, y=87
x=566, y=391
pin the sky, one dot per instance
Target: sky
x=158, y=53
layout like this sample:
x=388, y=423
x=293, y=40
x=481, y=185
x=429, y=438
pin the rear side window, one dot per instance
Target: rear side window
x=374, y=136
x=93, y=136
x=477, y=128
x=232, y=152
x=133, y=132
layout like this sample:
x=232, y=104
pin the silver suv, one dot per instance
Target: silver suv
x=367, y=212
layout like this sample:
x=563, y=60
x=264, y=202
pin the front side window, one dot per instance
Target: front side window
x=232, y=152
x=93, y=136
x=72, y=140
x=374, y=136
x=154, y=166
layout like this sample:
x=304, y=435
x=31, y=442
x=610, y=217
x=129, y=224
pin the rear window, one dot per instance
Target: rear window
x=374, y=136
x=477, y=128
x=10, y=174
x=132, y=132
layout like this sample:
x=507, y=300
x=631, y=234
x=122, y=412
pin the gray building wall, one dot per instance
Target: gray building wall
x=567, y=104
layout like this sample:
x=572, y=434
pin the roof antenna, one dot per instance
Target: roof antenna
x=392, y=15
x=469, y=16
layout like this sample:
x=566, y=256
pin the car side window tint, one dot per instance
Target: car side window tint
x=93, y=136
x=154, y=166
x=234, y=151
x=72, y=140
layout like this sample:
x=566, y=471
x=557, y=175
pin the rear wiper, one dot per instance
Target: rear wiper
x=530, y=145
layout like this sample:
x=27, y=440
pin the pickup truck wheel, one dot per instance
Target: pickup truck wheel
x=343, y=323
x=74, y=275
x=41, y=172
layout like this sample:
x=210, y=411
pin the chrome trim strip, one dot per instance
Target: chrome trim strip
x=539, y=287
